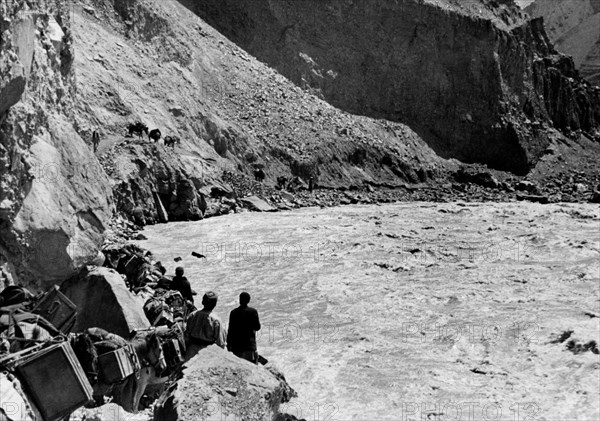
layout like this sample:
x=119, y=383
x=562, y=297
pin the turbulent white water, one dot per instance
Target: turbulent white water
x=412, y=311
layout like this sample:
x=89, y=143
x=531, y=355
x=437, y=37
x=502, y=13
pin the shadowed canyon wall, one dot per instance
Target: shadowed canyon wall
x=476, y=80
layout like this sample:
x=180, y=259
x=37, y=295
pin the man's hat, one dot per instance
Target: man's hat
x=209, y=297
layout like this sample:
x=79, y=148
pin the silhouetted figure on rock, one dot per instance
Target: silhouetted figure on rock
x=180, y=283
x=259, y=175
x=243, y=325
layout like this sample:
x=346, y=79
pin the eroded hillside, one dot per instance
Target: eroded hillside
x=476, y=80
x=156, y=62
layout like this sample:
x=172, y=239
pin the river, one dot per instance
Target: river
x=413, y=311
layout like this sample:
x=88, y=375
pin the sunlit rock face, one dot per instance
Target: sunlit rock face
x=54, y=197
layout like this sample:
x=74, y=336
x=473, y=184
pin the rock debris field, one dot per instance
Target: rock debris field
x=460, y=311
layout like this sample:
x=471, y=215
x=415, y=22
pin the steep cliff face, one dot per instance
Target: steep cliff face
x=54, y=196
x=574, y=27
x=465, y=75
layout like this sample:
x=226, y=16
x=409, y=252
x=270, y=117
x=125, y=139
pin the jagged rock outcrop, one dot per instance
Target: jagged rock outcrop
x=152, y=182
x=103, y=300
x=573, y=26
x=54, y=197
x=476, y=80
x=218, y=385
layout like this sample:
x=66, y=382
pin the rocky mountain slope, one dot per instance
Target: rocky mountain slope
x=574, y=27
x=71, y=68
x=476, y=80
x=54, y=196
x=155, y=62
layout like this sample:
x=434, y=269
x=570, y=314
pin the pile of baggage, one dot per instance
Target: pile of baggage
x=54, y=371
x=37, y=355
x=166, y=308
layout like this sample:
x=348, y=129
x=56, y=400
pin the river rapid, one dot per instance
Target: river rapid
x=413, y=311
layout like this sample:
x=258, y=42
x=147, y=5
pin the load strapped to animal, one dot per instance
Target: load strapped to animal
x=154, y=135
x=52, y=378
x=115, y=366
x=166, y=308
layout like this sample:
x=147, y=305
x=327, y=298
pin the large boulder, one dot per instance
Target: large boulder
x=257, y=204
x=103, y=300
x=217, y=385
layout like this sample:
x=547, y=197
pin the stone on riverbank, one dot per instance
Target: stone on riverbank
x=103, y=300
x=217, y=385
x=255, y=203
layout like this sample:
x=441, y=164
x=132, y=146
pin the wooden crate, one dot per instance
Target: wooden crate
x=55, y=381
x=116, y=365
x=174, y=354
x=57, y=309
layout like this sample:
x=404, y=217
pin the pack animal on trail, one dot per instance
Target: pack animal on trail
x=155, y=135
x=139, y=128
x=128, y=392
x=87, y=346
x=172, y=140
x=259, y=175
x=281, y=182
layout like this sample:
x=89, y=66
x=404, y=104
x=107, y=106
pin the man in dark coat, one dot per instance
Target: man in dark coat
x=243, y=324
x=180, y=283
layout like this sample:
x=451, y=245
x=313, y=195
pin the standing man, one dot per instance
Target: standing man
x=243, y=324
x=96, y=140
x=180, y=283
x=204, y=328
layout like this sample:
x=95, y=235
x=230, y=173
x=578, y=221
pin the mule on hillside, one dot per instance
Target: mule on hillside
x=154, y=135
x=172, y=140
x=138, y=127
